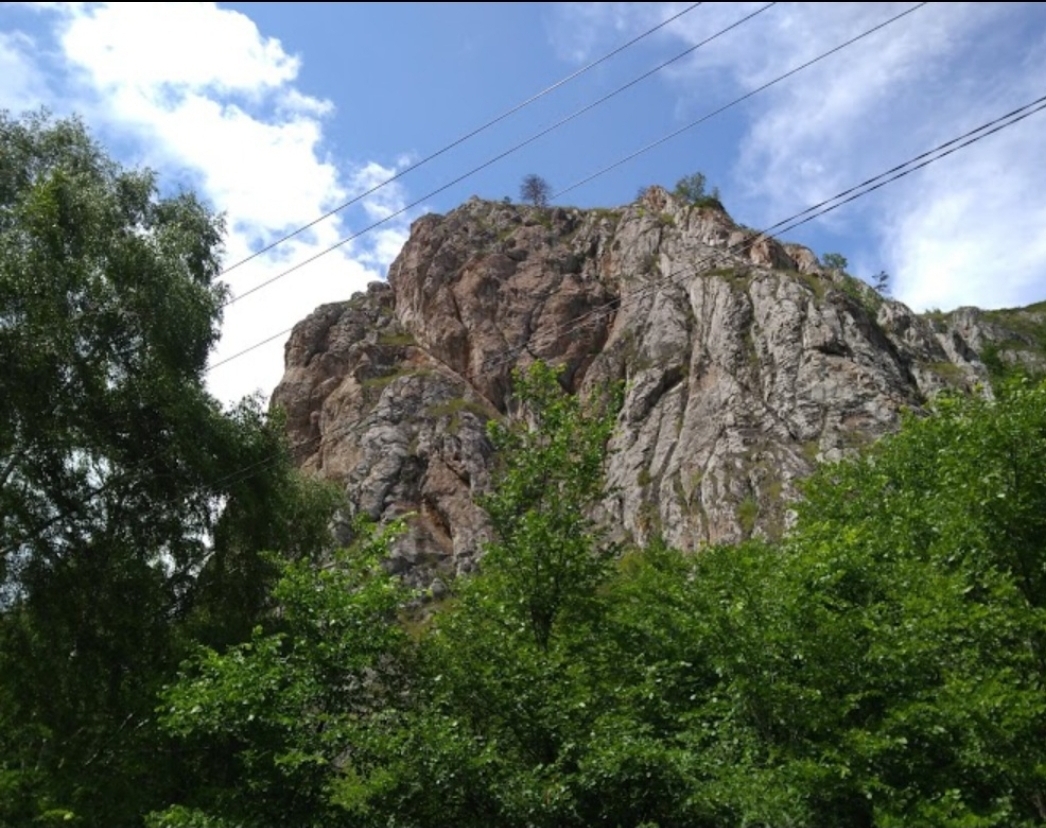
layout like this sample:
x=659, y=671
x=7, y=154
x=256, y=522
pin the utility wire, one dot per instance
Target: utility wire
x=504, y=154
x=467, y=136
x=790, y=223
x=457, y=142
x=585, y=180
x=589, y=318
x=736, y=101
x=507, y=113
x=795, y=220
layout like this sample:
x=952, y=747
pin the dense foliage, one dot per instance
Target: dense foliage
x=884, y=665
x=692, y=189
x=125, y=529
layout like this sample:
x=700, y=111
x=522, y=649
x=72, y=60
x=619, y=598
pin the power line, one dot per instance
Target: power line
x=795, y=220
x=577, y=184
x=247, y=350
x=864, y=188
x=504, y=154
x=459, y=141
x=846, y=196
x=507, y=113
x=467, y=136
x=736, y=101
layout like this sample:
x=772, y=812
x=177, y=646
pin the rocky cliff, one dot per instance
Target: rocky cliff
x=746, y=363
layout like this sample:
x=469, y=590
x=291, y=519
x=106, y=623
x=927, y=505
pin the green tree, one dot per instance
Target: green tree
x=535, y=190
x=692, y=189
x=121, y=479
x=920, y=583
x=500, y=701
x=834, y=261
x=329, y=719
x=286, y=711
x=881, y=283
x=547, y=553
x=883, y=666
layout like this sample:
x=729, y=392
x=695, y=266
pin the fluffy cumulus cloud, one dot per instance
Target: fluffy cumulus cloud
x=960, y=232
x=972, y=234
x=225, y=118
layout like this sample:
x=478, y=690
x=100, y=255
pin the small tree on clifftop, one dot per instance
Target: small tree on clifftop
x=691, y=188
x=535, y=190
x=881, y=283
x=835, y=261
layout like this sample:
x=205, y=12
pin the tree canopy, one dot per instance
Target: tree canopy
x=835, y=261
x=692, y=189
x=535, y=190
x=125, y=518
x=180, y=646
x=882, y=666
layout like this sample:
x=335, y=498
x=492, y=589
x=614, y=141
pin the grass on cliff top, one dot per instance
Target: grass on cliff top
x=1014, y=354
x=1029, y=322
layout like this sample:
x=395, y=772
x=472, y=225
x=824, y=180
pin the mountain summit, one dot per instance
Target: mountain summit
x=746, y=362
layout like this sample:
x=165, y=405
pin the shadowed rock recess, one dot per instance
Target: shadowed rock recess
x=746, y=363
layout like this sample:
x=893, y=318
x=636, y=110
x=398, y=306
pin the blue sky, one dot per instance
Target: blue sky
x=277, y=112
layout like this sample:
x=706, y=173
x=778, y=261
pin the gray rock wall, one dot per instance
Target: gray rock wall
x=745, y=364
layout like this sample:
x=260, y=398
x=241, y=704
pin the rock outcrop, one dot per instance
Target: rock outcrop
x=746, y=363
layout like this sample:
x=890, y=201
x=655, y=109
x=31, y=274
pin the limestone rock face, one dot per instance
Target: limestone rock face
x=745, y=363
x=368, y=408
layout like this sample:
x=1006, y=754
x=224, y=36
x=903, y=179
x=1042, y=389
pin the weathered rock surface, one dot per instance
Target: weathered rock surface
x=746, y=363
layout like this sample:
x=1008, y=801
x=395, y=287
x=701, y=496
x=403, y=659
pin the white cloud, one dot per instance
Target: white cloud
x=970, y=233
x=578, y=41
x=208, y=100
x=291, y=100
x=957, y=233
x=858, y=112
x=383, y=203
x=22, y=87
x=174, y=46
